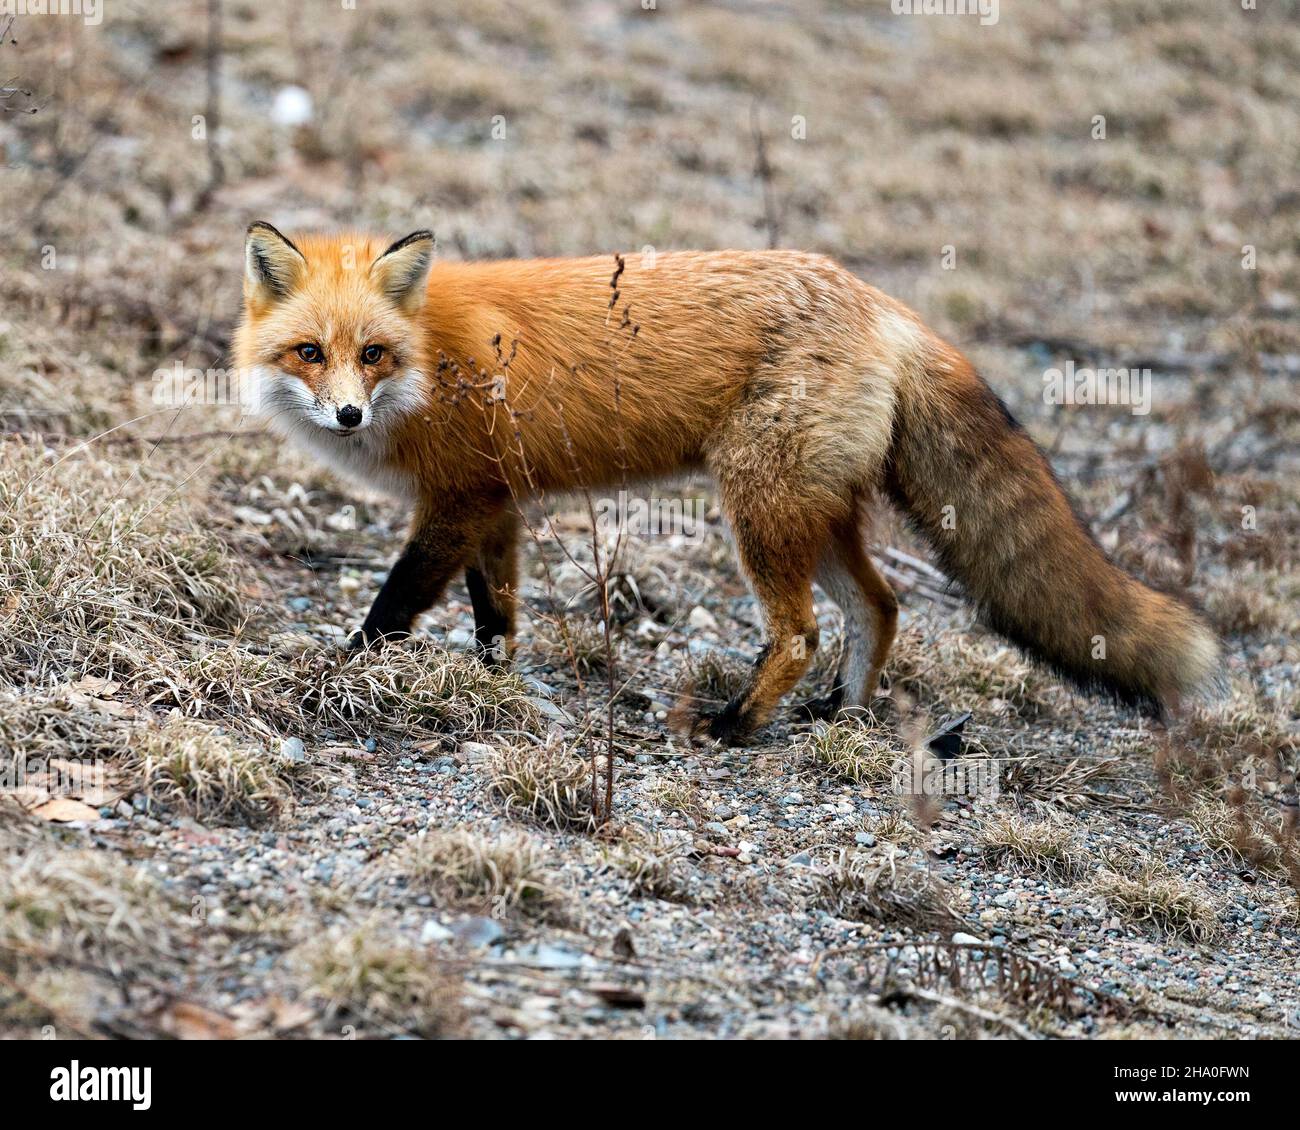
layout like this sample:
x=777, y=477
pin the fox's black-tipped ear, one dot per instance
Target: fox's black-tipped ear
x=403, y=269
x=272, y=265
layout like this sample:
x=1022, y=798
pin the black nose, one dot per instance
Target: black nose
x=349, y=415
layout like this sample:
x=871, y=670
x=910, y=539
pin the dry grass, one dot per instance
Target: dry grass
x=1231, y=769
x=1236, y=608
x=1049, y=848
x=549, y=783
x=197, y=769
x=69, y=906
x=1051, y=784
x=574, y=643
x=1244, y=834
x=461, y=866
x=392, y=690
x=853, y=752
x=380, y=988
x=652, y=866
x=713, y=677
x=956, y=670
x=894, y=826
x=866, y=1021
x=680, y=794
x=881, y=886
x=60, y=722
x=1156, y=897
x=113, y=574
x=1248, y=725
x=179, y=763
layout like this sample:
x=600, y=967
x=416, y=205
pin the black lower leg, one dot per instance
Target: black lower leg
x=823, y=708
x=414, y=583
x=491, y=624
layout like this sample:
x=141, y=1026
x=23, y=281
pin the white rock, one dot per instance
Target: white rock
x=702, y=619
x=434, y=931
x=475, y=752
x=292, y=107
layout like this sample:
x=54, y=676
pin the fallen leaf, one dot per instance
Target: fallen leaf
x=63, y=810
x=94, y=685
x=289, y=1015
x=186, y=1020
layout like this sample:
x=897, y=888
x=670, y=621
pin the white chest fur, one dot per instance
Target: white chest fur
x=359, y=458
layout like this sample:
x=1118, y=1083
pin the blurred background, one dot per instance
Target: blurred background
x=523, y=129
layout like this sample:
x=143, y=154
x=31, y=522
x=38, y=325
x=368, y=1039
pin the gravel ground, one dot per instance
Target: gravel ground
x=734, y=941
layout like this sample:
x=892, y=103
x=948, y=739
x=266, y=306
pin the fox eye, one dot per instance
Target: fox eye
x=310, y=353
x=371, y=354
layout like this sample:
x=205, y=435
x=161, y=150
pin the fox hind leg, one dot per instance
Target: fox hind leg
x=780, y=569
x=870, y=612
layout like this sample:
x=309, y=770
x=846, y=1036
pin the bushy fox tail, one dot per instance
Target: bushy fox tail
x=985, y=497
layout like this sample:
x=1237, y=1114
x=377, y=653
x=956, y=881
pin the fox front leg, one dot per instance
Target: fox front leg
x=441, y=542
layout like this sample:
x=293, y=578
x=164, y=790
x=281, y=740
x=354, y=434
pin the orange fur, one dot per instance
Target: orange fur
x=801, y=389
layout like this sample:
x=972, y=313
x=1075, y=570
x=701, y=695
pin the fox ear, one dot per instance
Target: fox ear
x=272, y=265
x=403, y=269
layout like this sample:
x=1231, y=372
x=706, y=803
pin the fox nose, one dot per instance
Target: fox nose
x=349, y=415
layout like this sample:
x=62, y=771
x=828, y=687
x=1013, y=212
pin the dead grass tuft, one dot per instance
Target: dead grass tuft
x=71, y=906
x=652, y=865
x=680, y=794
x=382, y=987
x=865, y=1021
x=461, y=866
x=1243, y=833
x=1247, y=725
x=1155, y=897
x=391, y=691
x=881, y=886
x=208, y=775
x=1049, y=784
x=112, y=575
x=1043, y=847
x=955, y=670
x=179, y=763
x=573, y=643
x=852, y=751
x=548, y=783
x=713, y=677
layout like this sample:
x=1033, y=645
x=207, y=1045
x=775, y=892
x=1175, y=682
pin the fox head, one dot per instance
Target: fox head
x=330, y=330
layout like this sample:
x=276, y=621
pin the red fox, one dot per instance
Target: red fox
x=804, y=392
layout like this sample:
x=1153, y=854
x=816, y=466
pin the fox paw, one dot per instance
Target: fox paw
x=728, y=726
x=820, y=709
x=364, y=639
